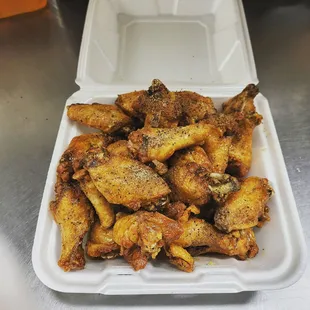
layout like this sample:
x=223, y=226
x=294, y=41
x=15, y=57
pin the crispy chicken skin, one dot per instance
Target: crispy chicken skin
x=130, y=102
x=101, y=243
x=73, y=158
x=193, y=184
x=149, y=231
x=174, y=210
x=149, y=144
x=135, y=257
x=105, y=117
x=217, y=149
x=161, y=108
x=243, y=102
x=74, y=215
x=119, y=148
x=244, y=208
x=103, y=208
x=179, y=257
x=240, y=152
x=199, y=233
x=157, y=106
x=195, y=154
x=194, y=106
x=188, y=183
x=125, y=181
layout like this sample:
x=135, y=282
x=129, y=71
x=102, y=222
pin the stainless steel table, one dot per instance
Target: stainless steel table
x=38, y=59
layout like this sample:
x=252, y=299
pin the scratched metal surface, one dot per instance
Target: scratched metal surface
x=38, y=59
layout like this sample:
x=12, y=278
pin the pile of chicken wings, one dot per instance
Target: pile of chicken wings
x=165, y=174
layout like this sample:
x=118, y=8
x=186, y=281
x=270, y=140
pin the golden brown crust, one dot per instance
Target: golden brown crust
x=125, y=181
x=194, y=154
x=174, y=210
x=74, y=215
x=103, y=208
x=135, y=257
x=119, y=148
x=180, y=258
x=149, y=231
x=194, y=106
x=188, y=183
x=217, y=149
x=199, y=233
x=101, y=242
x=105, y=117
x=244, y=208
x=73, y=158
x=160, y=143
x=243, y=102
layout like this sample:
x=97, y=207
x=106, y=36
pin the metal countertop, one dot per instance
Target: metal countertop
x=38, y=60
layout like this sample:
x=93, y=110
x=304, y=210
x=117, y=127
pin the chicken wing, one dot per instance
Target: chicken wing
x=194, y=154
x=240, y=152
x=198, y=233
x=73, y=158
x=160, y=143
x=105, y=117
x=125, y=181
x=103, y=208
x=195, y=107
x=143, y=234
x=157, y=106
x=243, y=102
x=193, y=184
x=217, y=148
x=160, y=108
x=188, y=183
x=74, y=215
x=244, y=208
x=101, y=243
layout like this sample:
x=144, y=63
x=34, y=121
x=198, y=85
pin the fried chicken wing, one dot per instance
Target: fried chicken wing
x=103, y=208
x=125, y=181
x=73, y=158
x=157, y=106
x=160, y=143
x=142, y=235
x=243, y=102
x=105, y=117
x=240, y=152
x=130, y=102
x=193, y=184
x=195, y=107
x=244, y=208
x=198, y=233
x=217, y=149
x=194, y=154
x=101, y=243
x=74, y=215
x=189, y=184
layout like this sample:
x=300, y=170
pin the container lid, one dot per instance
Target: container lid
x=190, y=44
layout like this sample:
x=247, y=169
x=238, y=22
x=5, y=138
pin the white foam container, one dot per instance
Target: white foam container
x=195, y=45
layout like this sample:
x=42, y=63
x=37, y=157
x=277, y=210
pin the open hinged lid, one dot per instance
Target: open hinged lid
x=190, y=44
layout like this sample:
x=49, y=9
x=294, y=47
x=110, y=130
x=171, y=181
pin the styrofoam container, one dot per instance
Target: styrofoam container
x=194, y=45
